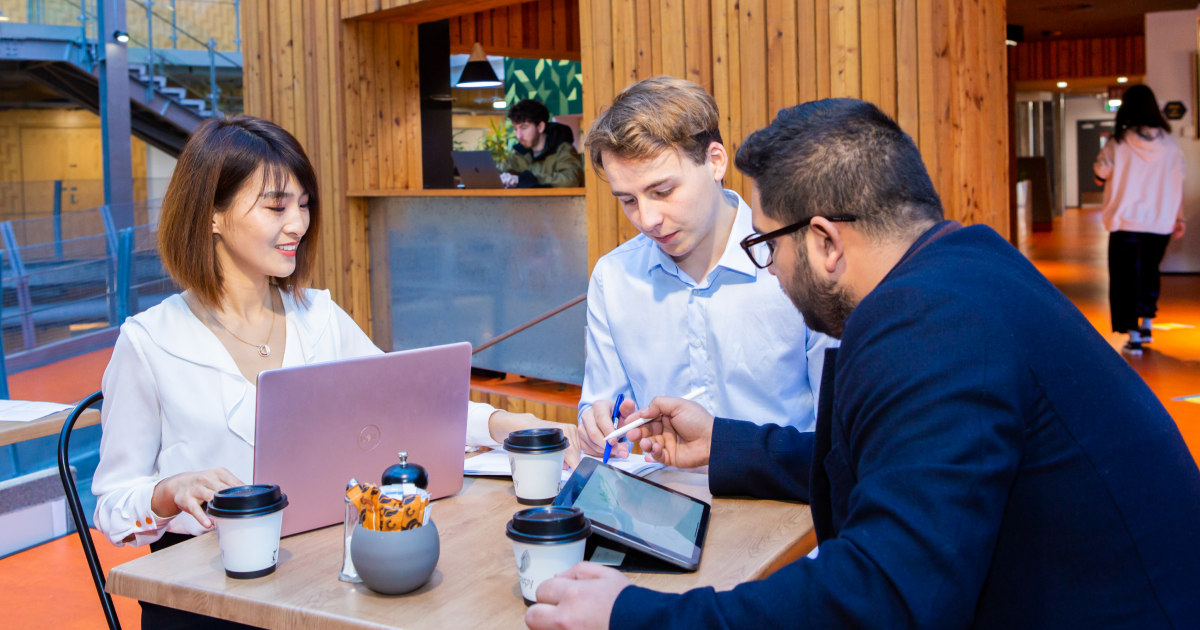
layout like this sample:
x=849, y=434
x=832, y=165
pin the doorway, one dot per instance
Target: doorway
x=1089, y=139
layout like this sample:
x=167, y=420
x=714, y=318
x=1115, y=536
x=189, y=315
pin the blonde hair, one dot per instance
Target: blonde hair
x=652, y=116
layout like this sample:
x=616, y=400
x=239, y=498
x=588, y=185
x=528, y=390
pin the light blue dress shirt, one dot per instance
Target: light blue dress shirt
x=654, y=331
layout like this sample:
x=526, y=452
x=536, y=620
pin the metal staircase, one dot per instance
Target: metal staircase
x=163, y=110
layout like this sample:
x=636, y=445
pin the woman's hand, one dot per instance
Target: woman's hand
x=186, y=491
x=1180, y=228
x=504, y=422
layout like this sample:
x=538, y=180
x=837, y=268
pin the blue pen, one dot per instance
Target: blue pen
x=616, y=416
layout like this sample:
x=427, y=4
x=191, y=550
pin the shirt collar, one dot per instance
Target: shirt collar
x=733, y=258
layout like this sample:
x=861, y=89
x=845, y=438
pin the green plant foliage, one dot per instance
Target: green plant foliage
x=498, y=140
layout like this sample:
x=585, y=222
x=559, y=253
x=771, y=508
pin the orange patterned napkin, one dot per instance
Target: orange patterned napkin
x=382, y=513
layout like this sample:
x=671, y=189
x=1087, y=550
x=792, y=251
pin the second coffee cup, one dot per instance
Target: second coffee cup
x=536, y=457
x=546, y=541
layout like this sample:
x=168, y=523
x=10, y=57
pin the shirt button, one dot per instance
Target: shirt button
x=696, y=343
x=695, y=291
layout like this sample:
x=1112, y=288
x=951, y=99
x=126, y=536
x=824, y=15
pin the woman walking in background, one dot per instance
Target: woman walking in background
x=1141, y=168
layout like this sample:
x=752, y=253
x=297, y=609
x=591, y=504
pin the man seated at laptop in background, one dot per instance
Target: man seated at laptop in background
x=1016, y=474
x=544, y=156
x=680, y=307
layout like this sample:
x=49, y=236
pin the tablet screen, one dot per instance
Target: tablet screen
x=664, y=519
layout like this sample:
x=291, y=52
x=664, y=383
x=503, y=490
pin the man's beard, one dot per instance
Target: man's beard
x=824, y=305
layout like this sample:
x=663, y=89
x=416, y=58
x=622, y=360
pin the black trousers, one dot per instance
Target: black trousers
x=155, y=617
x=1133, y=259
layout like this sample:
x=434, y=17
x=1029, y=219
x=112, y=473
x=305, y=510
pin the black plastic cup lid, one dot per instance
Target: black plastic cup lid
x=247, y=501
x=536, y=441
x=550, y=525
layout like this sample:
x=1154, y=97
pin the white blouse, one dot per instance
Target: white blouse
x=175, y=402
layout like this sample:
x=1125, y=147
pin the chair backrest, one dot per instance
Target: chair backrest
x=81, y=526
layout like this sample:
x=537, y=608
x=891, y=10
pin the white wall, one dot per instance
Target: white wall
x=1077, y=109
x=1170, y=50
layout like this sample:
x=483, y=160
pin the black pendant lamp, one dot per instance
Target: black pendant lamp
x=478, y=73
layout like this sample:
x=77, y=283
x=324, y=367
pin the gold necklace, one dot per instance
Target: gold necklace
x=263, y=349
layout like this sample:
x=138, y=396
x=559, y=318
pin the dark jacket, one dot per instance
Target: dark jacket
x=556, y=165
x=982, y=459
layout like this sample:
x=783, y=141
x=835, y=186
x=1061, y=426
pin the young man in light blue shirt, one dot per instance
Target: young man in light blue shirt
x=681, y=307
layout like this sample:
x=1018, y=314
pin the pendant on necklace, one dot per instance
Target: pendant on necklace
x=264, y=350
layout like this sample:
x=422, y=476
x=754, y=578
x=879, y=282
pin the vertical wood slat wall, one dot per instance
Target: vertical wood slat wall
x=937, y=66
x=298, y=76
x=1077, y=58
x=539, y=29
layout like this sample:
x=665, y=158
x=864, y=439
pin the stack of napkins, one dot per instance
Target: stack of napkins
x=495, y=464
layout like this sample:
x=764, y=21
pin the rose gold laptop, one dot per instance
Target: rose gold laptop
x=320, y=425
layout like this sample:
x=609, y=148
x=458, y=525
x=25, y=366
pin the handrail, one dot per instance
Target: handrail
x=527, y=325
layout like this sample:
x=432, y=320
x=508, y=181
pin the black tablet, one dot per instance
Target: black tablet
x=639, y=514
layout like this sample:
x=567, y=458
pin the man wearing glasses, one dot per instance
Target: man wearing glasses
x=680, y=308
x=1017, y=475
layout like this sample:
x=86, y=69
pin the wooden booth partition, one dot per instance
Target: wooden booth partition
x=937, y=66
x=299, y=74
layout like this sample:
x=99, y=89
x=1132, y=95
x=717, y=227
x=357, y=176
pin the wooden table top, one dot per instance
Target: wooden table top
x=13, y=432
x=475, y=585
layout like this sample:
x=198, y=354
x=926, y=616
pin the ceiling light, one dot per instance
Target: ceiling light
x=499, y=105
x=1122, y=79
x=3, y=18
x=121, y=36
x=1062, y=84
x=1009, y=42
x=478, y=73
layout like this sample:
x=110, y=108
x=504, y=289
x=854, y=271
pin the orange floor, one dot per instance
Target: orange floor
x=49, y=587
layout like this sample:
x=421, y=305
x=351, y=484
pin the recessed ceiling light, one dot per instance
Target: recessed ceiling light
x=499, y=104
x=1122, y=79
x=1062, y=84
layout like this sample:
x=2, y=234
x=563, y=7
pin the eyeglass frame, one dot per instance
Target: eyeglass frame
x=756, y=239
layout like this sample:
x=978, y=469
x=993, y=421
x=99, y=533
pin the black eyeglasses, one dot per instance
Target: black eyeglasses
x=761, y=247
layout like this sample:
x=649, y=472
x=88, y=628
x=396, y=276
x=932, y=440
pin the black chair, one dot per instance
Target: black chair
x=81, y=526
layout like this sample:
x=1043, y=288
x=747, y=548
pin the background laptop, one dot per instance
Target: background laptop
x=318, y=426
x=477, y=169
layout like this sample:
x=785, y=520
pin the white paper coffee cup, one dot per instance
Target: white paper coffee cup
x=248, y=521
x=536, y=458
x=538, y=563
x=546, y=541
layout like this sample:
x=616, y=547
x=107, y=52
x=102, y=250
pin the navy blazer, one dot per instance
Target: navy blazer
x=982, y=459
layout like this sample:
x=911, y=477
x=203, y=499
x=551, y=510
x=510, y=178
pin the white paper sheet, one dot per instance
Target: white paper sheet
x=495, y=463
x=28, y=410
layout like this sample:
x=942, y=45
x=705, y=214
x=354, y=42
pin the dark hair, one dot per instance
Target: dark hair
x=529, y=111
x=840, y=156
x=1139, y=113
x=217, y=161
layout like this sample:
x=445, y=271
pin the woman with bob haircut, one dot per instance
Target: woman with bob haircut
x=239, y=232
x=1141, y=168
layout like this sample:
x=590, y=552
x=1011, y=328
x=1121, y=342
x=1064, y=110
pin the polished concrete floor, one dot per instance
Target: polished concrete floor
x=49, y=586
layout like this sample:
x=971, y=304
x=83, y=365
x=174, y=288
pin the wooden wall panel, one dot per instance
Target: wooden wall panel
x=541, y=29
x=302, y=65
x=1077, y=58
x=938, y=66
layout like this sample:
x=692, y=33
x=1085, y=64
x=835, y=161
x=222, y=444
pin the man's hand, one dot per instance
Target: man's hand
x=509, y=179
x=501, y=423
x=680, y=435
x=1180, y=228
x=186, y=491
x=582, y=597
x=596, y=422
